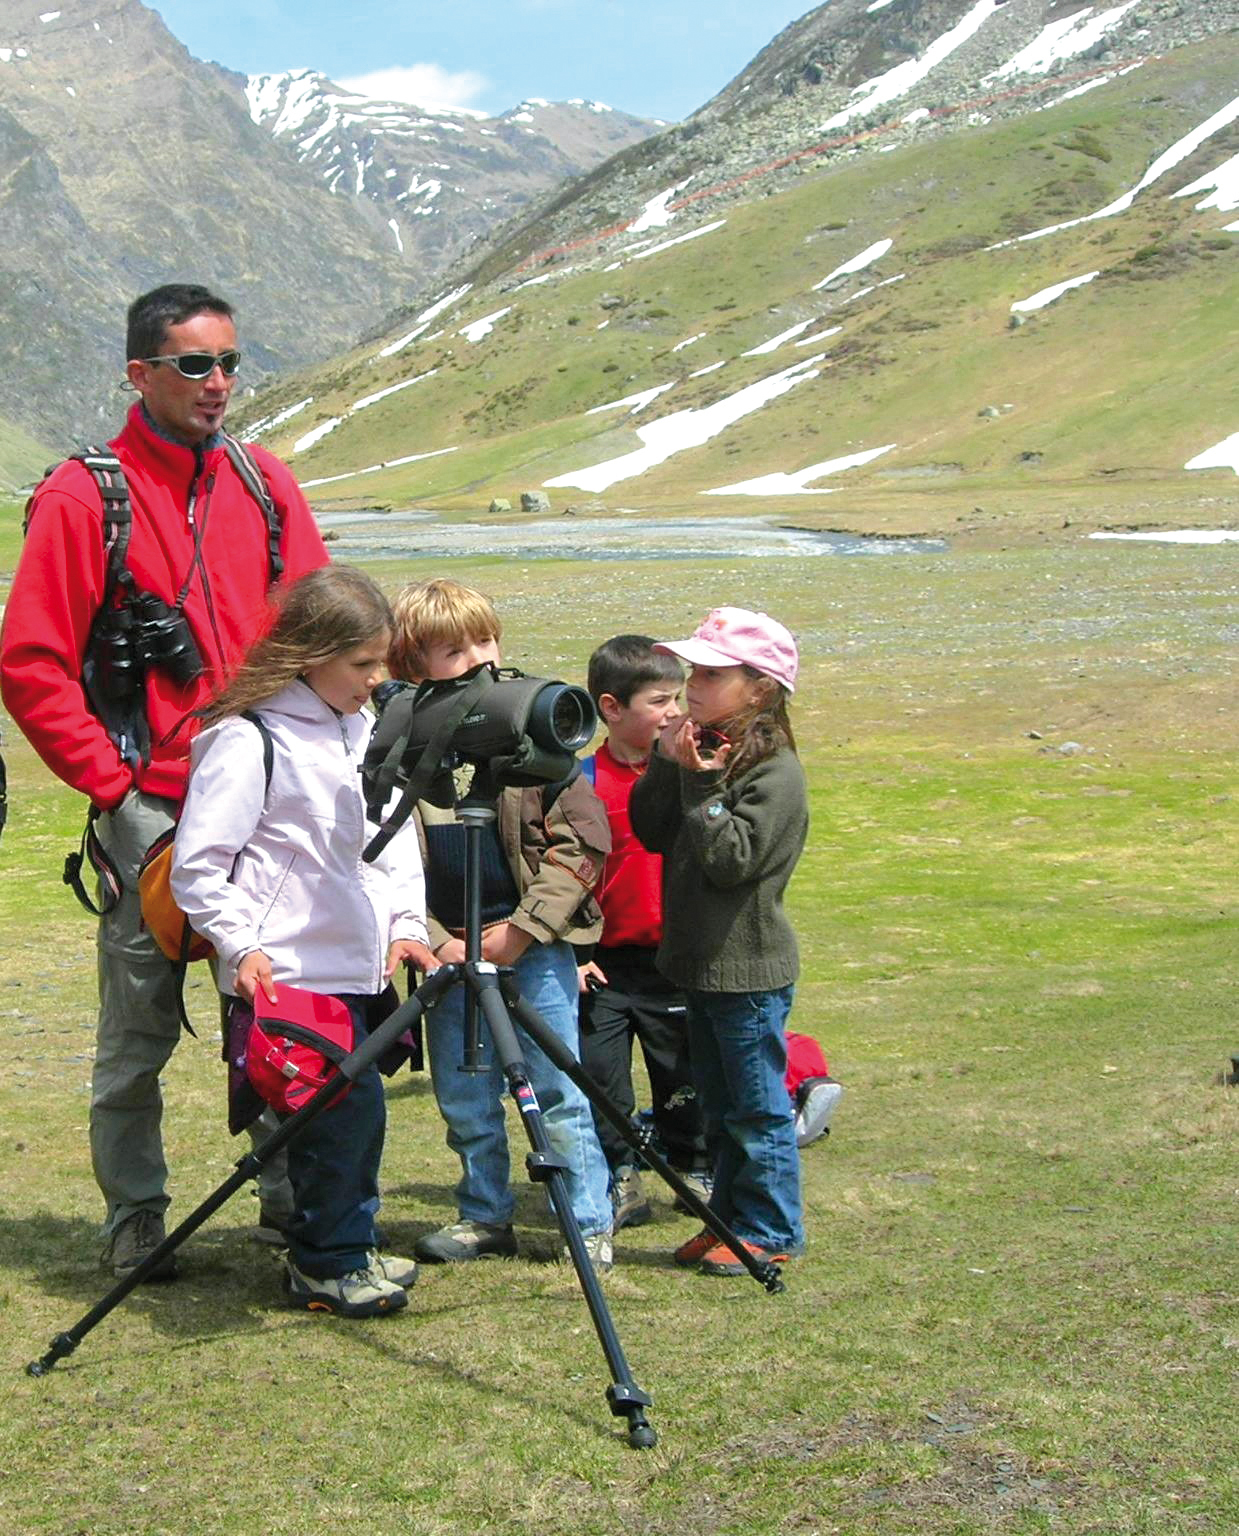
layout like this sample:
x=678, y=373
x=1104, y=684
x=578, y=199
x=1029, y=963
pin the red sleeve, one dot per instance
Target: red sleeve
x=57, y=590
x=301, y=544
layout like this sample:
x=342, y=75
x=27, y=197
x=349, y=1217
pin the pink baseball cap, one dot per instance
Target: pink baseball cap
x=731, y=637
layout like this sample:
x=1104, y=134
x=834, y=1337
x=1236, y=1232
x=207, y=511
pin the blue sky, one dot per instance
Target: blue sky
x=657, y=58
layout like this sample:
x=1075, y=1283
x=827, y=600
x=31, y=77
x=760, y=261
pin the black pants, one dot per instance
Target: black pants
x=638, y=1002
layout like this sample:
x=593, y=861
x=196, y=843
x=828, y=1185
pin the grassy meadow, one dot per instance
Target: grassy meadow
x=1018, y=1311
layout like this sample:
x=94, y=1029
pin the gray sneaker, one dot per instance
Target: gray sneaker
x=465, y=1240
x=701, y=1184
x=601, y=1252
x=272, y=1227
x=629, y=1207
x=360, y=1293
x=401, y=1272
x=134, y=1240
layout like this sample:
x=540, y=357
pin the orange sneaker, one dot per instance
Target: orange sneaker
x=720, y=1260
x=695, y=1249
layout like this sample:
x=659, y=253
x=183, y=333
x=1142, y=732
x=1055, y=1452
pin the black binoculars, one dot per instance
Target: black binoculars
x=144, y=633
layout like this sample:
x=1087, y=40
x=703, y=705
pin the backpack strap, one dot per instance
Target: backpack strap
x=96, y=855
x=255, y=483
x=105, y=470
x=589, y=767
x=268, y=746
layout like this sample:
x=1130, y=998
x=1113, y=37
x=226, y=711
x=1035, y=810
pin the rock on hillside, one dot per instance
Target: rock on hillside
x=439, y=179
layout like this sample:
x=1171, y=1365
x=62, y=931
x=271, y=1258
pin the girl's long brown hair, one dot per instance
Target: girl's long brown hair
x=327, y=611
x=760, y=730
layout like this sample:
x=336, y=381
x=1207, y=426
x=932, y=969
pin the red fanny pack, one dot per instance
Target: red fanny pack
x=296, y=1044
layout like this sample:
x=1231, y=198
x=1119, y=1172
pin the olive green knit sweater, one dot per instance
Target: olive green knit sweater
x=728, y=853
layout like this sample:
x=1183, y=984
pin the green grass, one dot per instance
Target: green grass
x=1018, y=1311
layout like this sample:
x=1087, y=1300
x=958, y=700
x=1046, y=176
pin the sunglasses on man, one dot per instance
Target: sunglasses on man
x=199, y=365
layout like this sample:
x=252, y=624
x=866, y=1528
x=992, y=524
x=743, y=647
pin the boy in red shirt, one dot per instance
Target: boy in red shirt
x=636, y=690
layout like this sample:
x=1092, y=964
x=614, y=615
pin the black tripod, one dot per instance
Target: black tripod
x=492, y=993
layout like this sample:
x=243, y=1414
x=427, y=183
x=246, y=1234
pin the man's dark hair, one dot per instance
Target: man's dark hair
x=152, y=314
x=625, y=664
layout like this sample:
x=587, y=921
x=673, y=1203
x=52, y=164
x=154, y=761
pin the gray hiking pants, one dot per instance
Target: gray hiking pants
x=137, y=1031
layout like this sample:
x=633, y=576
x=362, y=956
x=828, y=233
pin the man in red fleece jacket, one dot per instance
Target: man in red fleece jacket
x=200, y=542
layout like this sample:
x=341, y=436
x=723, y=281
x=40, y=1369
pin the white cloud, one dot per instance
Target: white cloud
x=424, y=85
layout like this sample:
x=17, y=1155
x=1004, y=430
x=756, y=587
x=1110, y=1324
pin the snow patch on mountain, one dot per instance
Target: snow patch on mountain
x=797, y=484
x=269, y=423
x=900, y=80
x=638, y=402
x=373, y=469
x=1222, y=184
x=477, y=329
x=776, y=342
x=1175, y=536
x=1045, y=296
x=1061, y=39
x=655, y=214
x=316, y=434
x=424, y=321
x=866, y=258
x=693, y=234
x=672, y=434
x=1223, y=455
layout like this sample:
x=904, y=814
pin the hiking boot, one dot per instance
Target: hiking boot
x=360, y=1293
x=629, y=1207
x=695, y=1249
x=401, y=1272
x=816, y=1099
x=601, y=1252
x=720, y=1260
x=701, y=1184
x=137, y=1237
x=272, y=1227
x=465, y=1240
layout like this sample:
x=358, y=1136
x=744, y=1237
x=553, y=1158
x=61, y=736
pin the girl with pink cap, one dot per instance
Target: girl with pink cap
x=724, y=802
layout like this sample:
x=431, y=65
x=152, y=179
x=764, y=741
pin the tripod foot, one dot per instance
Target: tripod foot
x=63, y=1344
x=641, y=1435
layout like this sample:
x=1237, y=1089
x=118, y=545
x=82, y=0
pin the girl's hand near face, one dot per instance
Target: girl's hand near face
x=668, y=734
x=686, y=750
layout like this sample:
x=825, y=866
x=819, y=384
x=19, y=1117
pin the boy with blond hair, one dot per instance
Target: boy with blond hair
x=540, y=860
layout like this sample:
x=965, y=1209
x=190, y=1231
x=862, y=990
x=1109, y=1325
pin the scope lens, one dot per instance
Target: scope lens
x=562, y=718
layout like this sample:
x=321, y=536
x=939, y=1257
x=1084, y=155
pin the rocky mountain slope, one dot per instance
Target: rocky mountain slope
x=993, y=260
x=439, y=179
x=125, y=162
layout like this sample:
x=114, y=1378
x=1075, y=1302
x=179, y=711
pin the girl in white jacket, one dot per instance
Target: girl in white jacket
x=273, y=875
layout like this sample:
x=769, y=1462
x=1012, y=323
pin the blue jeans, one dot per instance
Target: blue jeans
x=472, y=1104
x=739, y=1055
x=333, y=1165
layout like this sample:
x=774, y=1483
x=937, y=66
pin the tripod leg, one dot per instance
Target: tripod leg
x=625, y=1398
x=350, y=1068
x=766, y=1273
